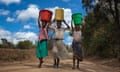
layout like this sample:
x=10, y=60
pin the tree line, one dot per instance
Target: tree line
x=26, y=44
x=102, y=30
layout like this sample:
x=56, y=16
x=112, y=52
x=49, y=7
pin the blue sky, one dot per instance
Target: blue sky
x=18, y=18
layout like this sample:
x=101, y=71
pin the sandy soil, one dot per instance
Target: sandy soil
x=65, y=66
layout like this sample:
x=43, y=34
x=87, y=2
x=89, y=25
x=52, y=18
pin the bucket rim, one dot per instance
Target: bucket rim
x=59, y=9
x=76, y=14
x=46, y=10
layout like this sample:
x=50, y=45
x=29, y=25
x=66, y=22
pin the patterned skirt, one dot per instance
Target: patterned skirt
x=77, y=50
x=59, y=50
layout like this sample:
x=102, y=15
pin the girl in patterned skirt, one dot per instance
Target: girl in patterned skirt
x=76, y=45
x=59, y=50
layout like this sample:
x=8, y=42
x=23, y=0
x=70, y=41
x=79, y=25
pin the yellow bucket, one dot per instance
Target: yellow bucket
x=59, y=14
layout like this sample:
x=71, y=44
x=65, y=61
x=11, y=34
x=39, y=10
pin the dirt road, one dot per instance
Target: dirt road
x=65, y=66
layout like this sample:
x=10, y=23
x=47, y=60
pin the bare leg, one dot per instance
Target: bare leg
x=78, y=61
x=58, y=61
x=73, y=62
x=55, y=62
x=40, y=62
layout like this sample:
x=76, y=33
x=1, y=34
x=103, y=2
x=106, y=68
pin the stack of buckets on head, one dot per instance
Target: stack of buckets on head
x=59, y=14
x=77, y=19
x=45, y=15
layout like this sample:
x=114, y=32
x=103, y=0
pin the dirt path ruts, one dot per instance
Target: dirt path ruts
x=65, y=66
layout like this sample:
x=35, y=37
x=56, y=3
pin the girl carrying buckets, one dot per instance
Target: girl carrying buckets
x=77, y=35
x=42, y=47
x=59, y=50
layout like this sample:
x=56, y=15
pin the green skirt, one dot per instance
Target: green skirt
x=42, y=49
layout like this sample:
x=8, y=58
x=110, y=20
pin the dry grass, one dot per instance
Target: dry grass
x=16, y=54
x=13, y=55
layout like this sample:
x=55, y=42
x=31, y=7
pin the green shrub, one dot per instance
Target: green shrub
x=25, y=44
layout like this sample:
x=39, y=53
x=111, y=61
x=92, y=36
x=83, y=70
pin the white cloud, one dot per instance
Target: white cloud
x=31, y=12
x=96, y=1
x=21, y=36
x=27, y=26
x=4, y=12
x=68, y=40
x=7, y=2
x=69, y=43
x=18, y=36
x=65, y=0
x=5, y=34
x=33, y=6
x=67, y=15
x=9, y=19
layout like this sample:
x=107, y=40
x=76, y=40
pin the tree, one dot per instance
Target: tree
x=107, y=6
x=103, y=26
x=6, y=44
x=25, y=44
x=87, y=4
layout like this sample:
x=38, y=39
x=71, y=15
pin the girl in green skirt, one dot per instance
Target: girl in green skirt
x=42, y=47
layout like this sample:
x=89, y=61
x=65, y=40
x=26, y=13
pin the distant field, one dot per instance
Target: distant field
x=16, y=54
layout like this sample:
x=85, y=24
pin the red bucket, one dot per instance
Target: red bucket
x=45, y=15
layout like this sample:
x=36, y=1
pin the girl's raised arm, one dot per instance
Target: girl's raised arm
x=68, y=27
x=72, y=26
x=39, y=23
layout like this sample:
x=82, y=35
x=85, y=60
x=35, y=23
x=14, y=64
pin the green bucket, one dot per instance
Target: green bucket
x=77, y=18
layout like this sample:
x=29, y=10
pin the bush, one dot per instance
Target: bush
x=98, y=38
x=25, y=44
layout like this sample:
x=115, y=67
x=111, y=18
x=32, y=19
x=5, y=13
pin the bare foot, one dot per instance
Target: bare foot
x=78, y=67
x=39, y=66
x=73, y=67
